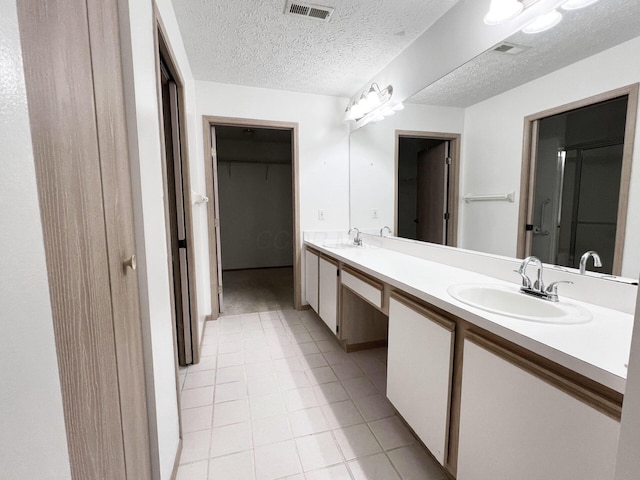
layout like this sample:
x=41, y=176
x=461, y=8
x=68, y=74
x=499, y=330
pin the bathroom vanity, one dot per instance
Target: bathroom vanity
x=491, y=396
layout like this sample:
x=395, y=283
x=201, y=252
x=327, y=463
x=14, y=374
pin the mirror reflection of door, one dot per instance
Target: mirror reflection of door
x=577, y=184
x=423, y=189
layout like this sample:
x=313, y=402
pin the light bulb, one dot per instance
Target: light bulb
x=544, y=22
x=576, y=4
x=357, y=111
x=501, y=11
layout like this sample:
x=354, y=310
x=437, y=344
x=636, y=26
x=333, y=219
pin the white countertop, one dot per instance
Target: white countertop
x=599, y=349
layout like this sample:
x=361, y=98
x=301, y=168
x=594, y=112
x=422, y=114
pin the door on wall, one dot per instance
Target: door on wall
x=432, y=194
x=79, y=136
x=216, y=206
x=176, y=202
x=577, y=184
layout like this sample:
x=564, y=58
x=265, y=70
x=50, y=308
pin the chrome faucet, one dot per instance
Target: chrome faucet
x=583, y=261
x=383, y=229
x=537, y=289
x=357, y=240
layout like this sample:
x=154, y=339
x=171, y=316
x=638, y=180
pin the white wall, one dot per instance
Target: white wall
x=373, y=160
x=33, y=439
x=137, y=24
x=323, y=143
x=492, y=148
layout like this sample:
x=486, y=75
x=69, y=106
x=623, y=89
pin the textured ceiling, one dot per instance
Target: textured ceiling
x=252, y=42
x=581, y=33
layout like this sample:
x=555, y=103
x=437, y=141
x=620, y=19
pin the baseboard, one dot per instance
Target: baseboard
x=305, y=307
x=366, y=345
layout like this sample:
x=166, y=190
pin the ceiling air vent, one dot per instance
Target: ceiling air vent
x=308, y=10
x=510, y=48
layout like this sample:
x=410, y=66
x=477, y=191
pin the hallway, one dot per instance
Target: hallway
x=275, y=397
x=257, y=290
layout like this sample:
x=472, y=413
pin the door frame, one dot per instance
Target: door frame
x=529, y=151
x=161, y=45
x=454, y=140
x=209, y=121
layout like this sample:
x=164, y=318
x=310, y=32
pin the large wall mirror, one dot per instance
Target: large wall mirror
x=488, y=101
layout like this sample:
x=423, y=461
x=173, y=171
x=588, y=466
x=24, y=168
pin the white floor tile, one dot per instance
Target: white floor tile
x=282, y=351
x=356, y=441
x=194, y=419
x=228, y=413
x=308, y=421
x=228, y=347
x=336, y=357
x=376, y=467
x=300, y=399
x=227, y=392
x=193, y=471
x=271, y=430
x=321, y=375
x=262, y=385
x=318, y=451
x=391, y=433
x=277, y=460
x=328, y=346
x=293, y=380
x=306, y=348
x=342, y=414
x=414, y=463
x=196, y=397
x=337, y=472
x=200, y=379
x=195, y=446
x=259, y=369
x=313, y=361
x=230, y=374
x=330, y=393
x=374, y=407
x=302, y=337
x=288, y=365
x=231, y=439
x=238, y=466
x=206, y=363
x=230, y=359
x=266, y=406
x=209, y=350
x=359, y=387
x=346, y=370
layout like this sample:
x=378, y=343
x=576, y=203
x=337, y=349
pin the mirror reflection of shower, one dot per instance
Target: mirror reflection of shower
x=577, y=184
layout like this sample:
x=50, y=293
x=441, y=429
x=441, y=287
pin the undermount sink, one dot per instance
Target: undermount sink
x=512, y=303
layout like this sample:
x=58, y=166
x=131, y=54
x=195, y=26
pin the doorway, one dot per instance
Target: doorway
x=426, y=187
x=579, y=183
x=177, y=208
x=255, y=216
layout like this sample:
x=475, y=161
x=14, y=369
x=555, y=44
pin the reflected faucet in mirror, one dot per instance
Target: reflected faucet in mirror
x=383, y=229
x=585, y=257
x=356, y=240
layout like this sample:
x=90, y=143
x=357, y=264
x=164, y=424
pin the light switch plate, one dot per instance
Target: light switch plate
x=321, y=214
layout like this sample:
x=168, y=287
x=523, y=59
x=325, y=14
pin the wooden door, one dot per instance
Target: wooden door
x=432, y=193
x=76, y=106
x=216, y=206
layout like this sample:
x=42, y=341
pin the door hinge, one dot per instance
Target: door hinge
x=337, y=328
x=182, y=243
x=447, y=161
x=338, y=272
x=528, y=227
x=447, y=216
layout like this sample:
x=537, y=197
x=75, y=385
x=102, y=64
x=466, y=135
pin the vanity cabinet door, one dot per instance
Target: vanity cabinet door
x=515, y=425
x=419, y=370
x=311, y=279
x=328, y=293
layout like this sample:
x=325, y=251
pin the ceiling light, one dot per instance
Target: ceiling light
x=501, y=11
x=576, y=4
x=371, y=102
x=544, y=22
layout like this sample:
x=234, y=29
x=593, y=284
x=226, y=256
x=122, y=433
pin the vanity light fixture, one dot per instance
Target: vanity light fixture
x=371, y=100
x=576, y=4
x=501, y=11
x=544, y=22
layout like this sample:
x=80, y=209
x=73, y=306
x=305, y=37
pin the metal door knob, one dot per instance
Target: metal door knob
x=130, y=263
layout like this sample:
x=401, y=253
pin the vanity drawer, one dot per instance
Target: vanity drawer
x=368, y=289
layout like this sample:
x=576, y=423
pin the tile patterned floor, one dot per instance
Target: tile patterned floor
x=275, y=397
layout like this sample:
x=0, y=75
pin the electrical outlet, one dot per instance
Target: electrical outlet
x=375, y=213
x=320, y=214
